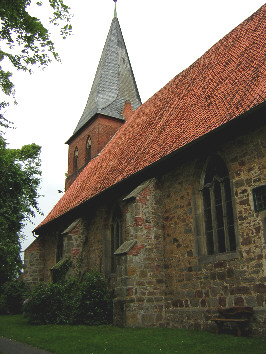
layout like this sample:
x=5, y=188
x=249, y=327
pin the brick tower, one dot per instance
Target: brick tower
x=113, y=98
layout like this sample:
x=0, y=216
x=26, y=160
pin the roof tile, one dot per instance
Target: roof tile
x=228, y=80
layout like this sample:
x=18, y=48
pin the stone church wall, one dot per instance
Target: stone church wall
x=197, y=285
x=34, y=262
x=166, y=279
x=139, y=287
x=50, y=249
x=92, y=251
x=39, y=257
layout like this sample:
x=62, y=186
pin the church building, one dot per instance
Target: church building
x=168, y=198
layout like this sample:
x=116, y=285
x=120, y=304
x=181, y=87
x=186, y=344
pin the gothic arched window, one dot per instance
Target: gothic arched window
x=218, y=209
x=88, y=149
x=76, y=157
x=116, y=238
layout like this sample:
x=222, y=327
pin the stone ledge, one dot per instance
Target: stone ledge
x=219, y=257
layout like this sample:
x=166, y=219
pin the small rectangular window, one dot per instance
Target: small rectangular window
x=259, y=197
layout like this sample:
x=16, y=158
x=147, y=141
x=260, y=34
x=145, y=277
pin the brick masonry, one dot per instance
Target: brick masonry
x=100, y=130
x=166, y=279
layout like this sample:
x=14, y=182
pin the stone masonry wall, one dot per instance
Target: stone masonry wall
x=39, y=257
x=34, y=262
x=139, y=291
x=196, y=285
x=73, y=246
x=92, y=252
x=166, y=279
x=50, y=249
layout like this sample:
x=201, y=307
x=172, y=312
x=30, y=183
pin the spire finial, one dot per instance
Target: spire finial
x=115, y=13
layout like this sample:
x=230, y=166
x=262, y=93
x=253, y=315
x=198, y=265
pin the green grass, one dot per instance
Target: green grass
x=109, y=339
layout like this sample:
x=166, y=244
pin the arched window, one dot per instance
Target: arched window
x=88, y=149
x=116, y=238
x=218, y=209
x=76, y=156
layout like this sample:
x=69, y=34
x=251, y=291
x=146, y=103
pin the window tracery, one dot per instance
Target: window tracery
x=218, y=208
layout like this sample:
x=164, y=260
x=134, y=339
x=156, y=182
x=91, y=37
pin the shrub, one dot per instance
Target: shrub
x=14, y=292
x=91, y=301
x=3, y=305
x=77, y=301
x=45, y=303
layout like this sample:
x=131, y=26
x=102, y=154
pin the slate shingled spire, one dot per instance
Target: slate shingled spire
x=114, y=82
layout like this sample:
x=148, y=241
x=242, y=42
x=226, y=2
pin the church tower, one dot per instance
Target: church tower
x=113, y=98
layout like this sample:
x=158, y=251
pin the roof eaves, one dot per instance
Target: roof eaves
x=154, y=166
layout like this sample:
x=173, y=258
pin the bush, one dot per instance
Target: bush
x=14, y=292
x=91, y=301
x=3, y=305
x=78, y=301
x=45, y=303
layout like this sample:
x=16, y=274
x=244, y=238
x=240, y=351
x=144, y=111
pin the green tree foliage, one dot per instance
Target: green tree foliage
x=13, y=294
x=25, y=41
x=19, y=181
x=77, y=301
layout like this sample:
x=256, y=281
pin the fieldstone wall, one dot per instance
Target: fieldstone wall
x=74, y=238
x=50, y=249
x=39, y=257
x=139, y=287
x=92, y=251
x=197, y=284
x=167, y=279
x=34, y=262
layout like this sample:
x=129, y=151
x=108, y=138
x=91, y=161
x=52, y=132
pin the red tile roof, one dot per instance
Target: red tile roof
x=228, y=80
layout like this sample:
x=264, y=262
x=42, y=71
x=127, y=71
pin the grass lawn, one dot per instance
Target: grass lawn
x=109, y=339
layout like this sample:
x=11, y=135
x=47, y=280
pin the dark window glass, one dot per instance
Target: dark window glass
x=88, y=150
x=208, y=220
x=259, y=196
x=218, y=209
x=232, y=238
x=230, y=216
x=76, y=156
x=219, y=217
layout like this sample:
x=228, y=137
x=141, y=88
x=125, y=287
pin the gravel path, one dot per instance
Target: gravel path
x=9, y=346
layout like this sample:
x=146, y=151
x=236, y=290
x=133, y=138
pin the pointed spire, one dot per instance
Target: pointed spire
x=114, y=83
x=115, y=13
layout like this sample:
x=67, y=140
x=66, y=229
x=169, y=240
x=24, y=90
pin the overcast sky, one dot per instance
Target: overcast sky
x=163, y=37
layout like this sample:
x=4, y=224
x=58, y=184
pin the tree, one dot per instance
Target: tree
x=19, y=179
x=25, y=41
